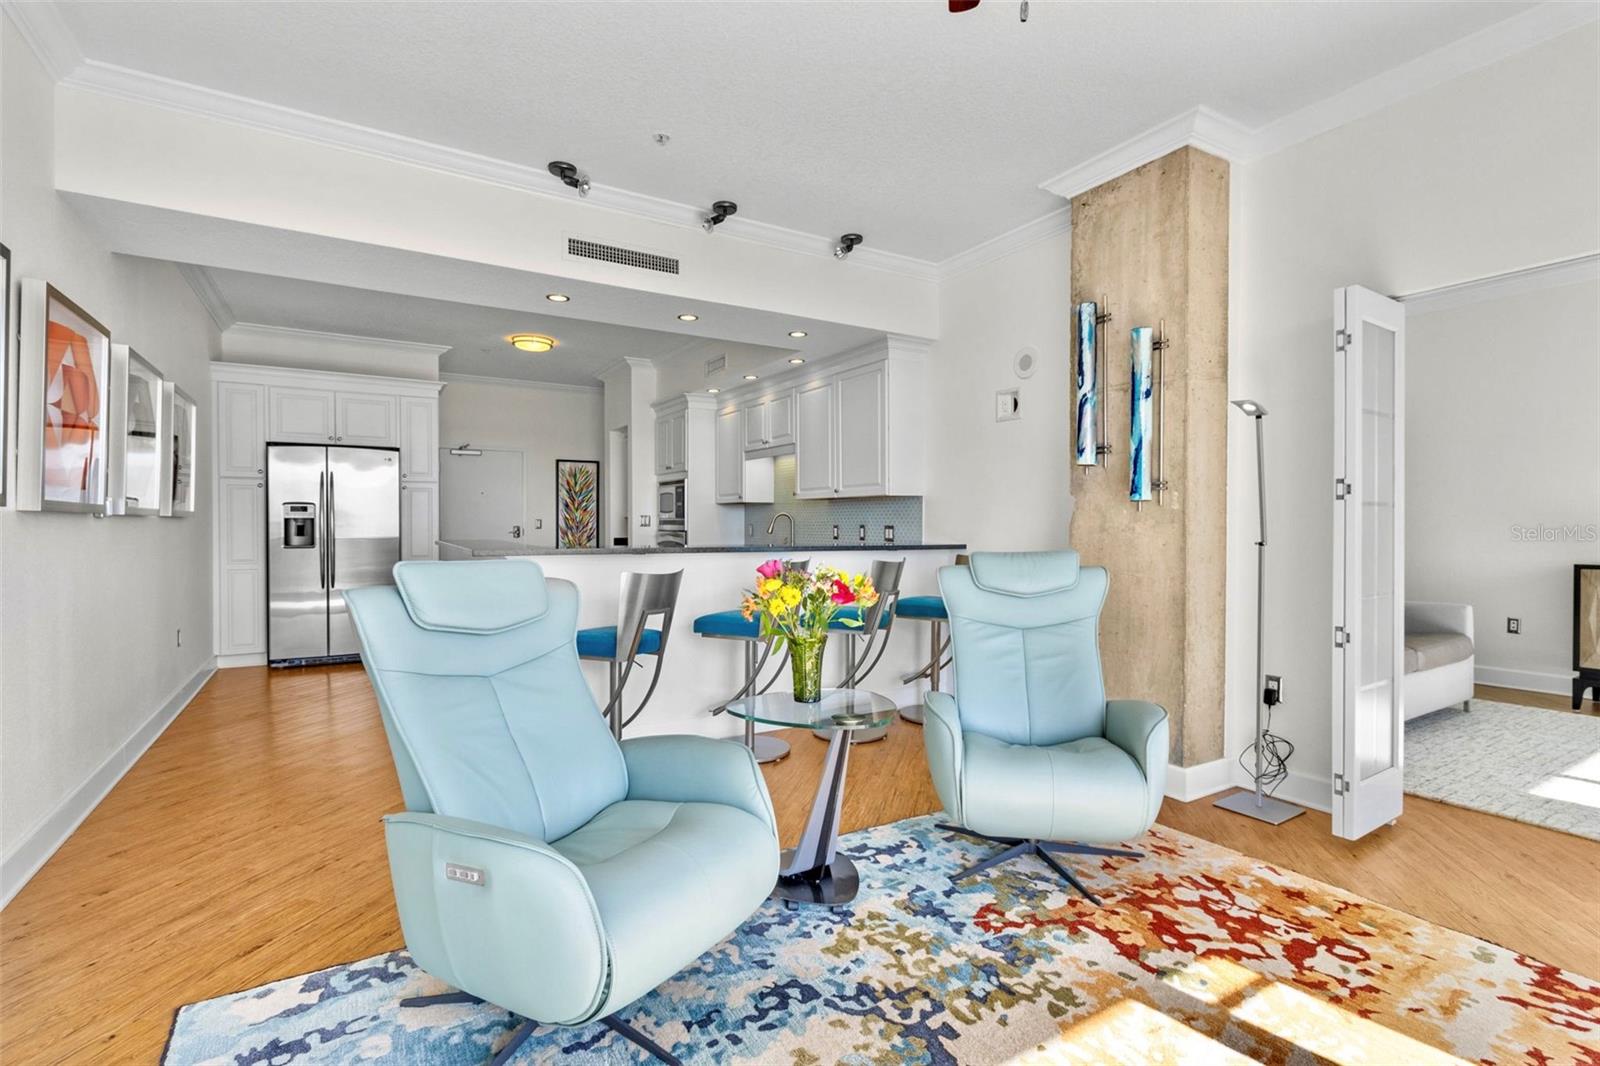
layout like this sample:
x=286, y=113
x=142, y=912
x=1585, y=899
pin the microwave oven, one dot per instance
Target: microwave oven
x=669, y=503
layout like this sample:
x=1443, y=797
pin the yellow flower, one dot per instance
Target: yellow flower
x=790, y=596
x=777, y=605
x=770, y=585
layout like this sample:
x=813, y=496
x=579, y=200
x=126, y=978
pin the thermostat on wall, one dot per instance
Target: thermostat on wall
x=1007, y=405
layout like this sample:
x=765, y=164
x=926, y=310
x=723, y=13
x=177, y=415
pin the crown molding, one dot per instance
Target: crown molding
x=1529, y=279
x=256, y=330
x=1199, y=127
x=520, y=383
x=1043, y=228
x=1463, y=56
x=47, y=34
x=211, y=298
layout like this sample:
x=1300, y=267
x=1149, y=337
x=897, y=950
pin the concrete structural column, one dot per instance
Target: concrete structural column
x=1153, y=245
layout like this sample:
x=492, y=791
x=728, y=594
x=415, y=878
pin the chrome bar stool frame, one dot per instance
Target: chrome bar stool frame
x=644, y=596
x=876, y=620
x=939, y=659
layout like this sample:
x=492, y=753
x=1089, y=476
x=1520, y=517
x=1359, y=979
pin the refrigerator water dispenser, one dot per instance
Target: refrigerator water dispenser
x=299, y=525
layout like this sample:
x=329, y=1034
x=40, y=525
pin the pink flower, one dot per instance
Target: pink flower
x=770, y=569
x=842, y=593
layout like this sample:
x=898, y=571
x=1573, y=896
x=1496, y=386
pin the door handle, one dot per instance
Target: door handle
x=516, y=532
x=333, y=564
x=322, y=548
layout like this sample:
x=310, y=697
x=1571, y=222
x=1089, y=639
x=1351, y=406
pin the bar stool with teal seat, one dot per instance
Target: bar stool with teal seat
x=644, y=597
x=732, y=625
x=928, y=609
x=873, y=632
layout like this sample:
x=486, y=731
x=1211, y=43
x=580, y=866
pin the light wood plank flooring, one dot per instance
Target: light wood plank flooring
x=245, y=847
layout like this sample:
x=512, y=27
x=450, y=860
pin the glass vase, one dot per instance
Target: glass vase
x=805, y=659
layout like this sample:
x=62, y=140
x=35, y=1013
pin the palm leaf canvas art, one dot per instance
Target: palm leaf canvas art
x=577, y=503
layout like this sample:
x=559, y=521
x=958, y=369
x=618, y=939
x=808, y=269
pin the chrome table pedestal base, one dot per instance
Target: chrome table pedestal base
x=813, y=872
x=835, y=885
x=767, y=749
x=912, y=712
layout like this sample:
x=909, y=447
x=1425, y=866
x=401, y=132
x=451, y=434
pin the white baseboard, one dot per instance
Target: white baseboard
x=1527, y=680
x=41, y=842
x=226, y=662
x=1300, y=788
x=1189, y=783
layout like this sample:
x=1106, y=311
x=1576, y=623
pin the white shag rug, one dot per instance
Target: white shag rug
x=1526, y=763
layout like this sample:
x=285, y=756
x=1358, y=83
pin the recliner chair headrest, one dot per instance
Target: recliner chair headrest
x=1024, y=573
x=471, y=596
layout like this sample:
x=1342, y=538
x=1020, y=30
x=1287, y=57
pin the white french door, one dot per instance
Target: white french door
x=1368, y=561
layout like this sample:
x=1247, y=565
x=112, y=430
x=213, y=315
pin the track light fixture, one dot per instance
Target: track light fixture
x=719, y=214
x=847, y=244
x=570, y=177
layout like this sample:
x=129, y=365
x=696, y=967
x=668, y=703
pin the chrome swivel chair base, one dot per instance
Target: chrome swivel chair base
x=520, y=1035
x=1047, y=850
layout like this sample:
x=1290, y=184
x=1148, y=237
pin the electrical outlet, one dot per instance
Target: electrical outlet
x=836, y=531
x=861, y=534
x=1513, y=625
x=888, y=534
x=538, y=523
x=749, y=529
x=1007, y=405
x=1272, y=695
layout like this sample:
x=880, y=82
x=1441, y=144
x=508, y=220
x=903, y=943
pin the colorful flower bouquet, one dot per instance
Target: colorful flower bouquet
x=797, y=606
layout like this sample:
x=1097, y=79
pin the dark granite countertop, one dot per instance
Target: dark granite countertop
x=494, y=549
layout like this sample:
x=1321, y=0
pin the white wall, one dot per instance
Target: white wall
x=1002, y=485
x=1503, y=469
x=1492, y=172
x=543, y=423
x=91, y=607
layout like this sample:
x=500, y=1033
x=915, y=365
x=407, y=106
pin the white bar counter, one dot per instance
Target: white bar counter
x=700, y=671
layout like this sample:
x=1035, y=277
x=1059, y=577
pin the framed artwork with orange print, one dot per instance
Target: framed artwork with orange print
x=62, y=410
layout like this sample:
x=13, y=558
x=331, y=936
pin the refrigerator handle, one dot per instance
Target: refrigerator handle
x=322, y=545
x=333, y=565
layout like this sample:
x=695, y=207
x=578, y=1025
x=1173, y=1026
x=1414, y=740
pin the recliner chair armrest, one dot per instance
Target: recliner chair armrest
x=941, y=736
x=1140, y=728
x=687, y=769
x=498, y=914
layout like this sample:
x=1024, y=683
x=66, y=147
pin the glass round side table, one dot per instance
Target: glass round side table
x=813, y=871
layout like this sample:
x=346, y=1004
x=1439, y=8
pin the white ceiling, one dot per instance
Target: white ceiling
x=476, y=335
x=926, y=131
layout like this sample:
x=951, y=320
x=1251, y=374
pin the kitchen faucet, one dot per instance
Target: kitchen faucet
x=774, y=523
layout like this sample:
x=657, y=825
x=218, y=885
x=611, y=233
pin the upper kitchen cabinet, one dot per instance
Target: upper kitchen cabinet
x=300, y=416
x=739, y=480
x=863, y=463
x=241, y=428
x=816, y=446
x=419, y=438
x=367, y=418
x=769, y=421
x=671, y=446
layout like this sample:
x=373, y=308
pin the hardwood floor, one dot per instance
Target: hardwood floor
x=244, y=847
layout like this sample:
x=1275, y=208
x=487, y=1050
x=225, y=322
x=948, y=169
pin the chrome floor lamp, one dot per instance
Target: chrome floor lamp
x=1258, y=804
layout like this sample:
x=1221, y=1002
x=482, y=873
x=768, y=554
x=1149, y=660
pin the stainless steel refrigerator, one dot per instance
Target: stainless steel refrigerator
x=333, y=523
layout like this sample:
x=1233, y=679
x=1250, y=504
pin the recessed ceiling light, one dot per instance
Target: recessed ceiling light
x=531, y=342
x=797, y=333
x=713, y=390
x=796, y=361
x=750, y=377
x=561, y=298
x=688, y=318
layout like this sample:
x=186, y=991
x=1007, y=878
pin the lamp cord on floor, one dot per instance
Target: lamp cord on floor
x=1275, y=753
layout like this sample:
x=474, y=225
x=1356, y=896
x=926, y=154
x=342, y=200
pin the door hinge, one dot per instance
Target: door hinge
x=1341, y=340
x=1341, y=488
x=1340, y=785
x=1341, y=636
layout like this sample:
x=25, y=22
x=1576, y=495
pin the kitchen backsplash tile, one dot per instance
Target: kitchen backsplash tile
x=814, y=519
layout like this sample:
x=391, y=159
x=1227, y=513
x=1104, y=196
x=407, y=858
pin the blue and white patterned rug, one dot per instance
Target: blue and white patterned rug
x=1199, y=954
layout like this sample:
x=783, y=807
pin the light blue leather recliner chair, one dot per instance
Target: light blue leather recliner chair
x=539, y=864
x=1028, y=752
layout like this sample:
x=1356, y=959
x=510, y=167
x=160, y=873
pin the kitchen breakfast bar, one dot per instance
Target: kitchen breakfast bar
x=699, y=674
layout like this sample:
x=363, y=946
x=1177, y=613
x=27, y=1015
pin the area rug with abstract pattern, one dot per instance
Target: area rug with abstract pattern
x=1199, y=954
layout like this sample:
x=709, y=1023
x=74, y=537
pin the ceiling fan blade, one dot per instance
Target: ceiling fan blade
x=958, y=6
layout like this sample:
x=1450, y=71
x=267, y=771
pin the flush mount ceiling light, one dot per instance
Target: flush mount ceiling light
x=796, y=361
x=719, y=214
x=687, y=317
x=847, y=244
x=531, y=342
x=570, y=177
x=797, y=333
x=557, y=297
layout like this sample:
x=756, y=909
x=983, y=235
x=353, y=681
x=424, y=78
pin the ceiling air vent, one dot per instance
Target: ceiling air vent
x=610, y=253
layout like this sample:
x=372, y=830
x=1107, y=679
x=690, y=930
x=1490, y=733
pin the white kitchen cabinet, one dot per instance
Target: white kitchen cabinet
x=419, y=438
x=755, y=425
x=816, y=439
x=242, y=619
x=244, y=530
x=241, y=429
x=300, y=416
x=242, y=576
x=367, y=418
x=671, y=446
x=769, y=422
x=730, y=457
x=419, y=520
x=863, y=454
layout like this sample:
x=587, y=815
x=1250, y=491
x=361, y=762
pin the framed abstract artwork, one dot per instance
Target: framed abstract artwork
x=577, y=503
x=137, y=393
x=7, y=328
x=177, y=457
x=64, y=366
x=1086, y=451
x=1141, y=390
